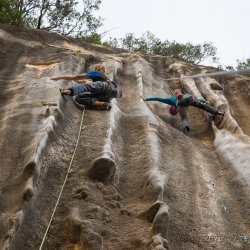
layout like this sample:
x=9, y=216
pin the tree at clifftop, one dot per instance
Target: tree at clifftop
x=61, y=16
x=9, y=15
x=148, y=43
x=240, y=65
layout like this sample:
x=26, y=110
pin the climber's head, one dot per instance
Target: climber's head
x=100, y=68
x=179, y=95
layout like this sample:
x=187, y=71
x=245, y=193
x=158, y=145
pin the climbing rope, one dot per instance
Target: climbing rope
x=68, y=172
x=241, y=71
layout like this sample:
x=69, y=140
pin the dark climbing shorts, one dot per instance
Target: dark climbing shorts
x=94, y=87
x=186, y=102
x=85, y=100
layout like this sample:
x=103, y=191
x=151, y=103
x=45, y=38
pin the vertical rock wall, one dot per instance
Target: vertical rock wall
x=127, y=178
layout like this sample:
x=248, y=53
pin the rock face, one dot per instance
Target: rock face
x=128, y=178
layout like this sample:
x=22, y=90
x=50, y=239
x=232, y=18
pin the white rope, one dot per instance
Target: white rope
x=68, y=172
x=211, y=74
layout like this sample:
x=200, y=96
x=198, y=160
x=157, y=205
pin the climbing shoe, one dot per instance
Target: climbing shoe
x=107, y=105
x=212, y=117
x=185, y=131
x=64, y=92
x=220, y=113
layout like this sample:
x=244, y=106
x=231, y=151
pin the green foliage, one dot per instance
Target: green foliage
x=149, y=44
x=244, y=65
x=240, y=65
x=60, y=16
x=230, y=68
x=189, y=52
x=9, y=15
x=92, y=38
x=112, y=43
x=97, y=39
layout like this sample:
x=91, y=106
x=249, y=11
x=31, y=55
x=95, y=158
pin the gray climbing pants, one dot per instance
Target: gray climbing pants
x=184, y=117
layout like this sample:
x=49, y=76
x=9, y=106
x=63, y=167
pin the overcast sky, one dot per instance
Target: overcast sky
x=225, y=23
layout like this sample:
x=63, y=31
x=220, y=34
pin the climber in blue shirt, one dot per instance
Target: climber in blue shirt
x=95, y=88
x=98, y=74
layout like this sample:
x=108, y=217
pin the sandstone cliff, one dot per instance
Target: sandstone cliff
x=128, y=178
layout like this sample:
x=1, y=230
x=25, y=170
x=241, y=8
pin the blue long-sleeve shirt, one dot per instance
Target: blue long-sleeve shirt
x=97, y=76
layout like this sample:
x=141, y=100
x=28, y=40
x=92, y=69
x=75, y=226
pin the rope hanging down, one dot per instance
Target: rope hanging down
x=68, y=172
x=211, y=74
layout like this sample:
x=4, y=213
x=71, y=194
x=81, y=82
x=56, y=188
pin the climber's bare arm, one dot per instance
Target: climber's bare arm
x=143, y=98
x=71, y=77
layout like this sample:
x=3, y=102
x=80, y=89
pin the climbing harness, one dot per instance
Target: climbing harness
x=67, y=174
